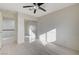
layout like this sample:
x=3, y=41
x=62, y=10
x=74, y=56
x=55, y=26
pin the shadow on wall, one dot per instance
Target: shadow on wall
x=48, y=37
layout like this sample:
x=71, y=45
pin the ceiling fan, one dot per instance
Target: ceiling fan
x=36, y=6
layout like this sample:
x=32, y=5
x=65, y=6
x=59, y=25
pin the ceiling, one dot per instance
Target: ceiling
x=50, y=7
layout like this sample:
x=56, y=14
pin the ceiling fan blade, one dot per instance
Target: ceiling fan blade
x=35, y=4
x=34, y=11
x=39, y=4
x=27, y=6
x=42, y=9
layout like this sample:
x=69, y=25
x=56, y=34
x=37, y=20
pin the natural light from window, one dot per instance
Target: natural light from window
x=48, y=37
x=51, y=36
x=43, y=39
x=31, y=34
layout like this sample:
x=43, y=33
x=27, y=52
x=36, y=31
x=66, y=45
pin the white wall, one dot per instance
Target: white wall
x=1, y=19
x=66, y=22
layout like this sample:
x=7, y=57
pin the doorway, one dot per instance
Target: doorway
x=30, y=30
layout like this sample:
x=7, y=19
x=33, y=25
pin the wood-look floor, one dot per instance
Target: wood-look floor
x=35, y=48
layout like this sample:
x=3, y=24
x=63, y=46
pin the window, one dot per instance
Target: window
x=48, y=37
x=8, y=24
x=31, y=33
x=8, y=27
